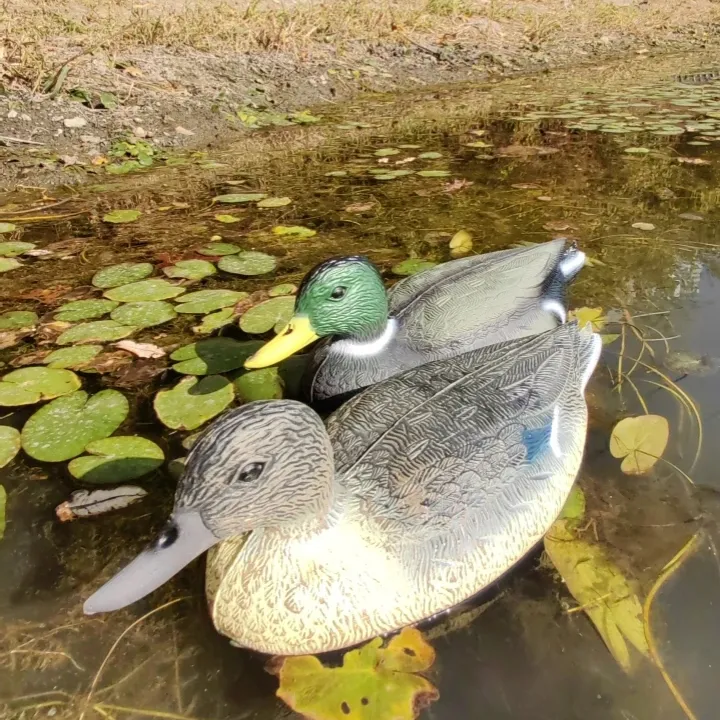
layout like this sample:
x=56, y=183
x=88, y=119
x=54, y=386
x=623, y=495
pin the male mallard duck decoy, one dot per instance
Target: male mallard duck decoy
x=421, y=491
x=372, y=334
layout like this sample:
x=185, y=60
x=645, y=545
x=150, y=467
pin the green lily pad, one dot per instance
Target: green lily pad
x=121, y=274
x=392, y=175
x=193, y=402
x=282, y=289
x=215, y=321
x=145, y=291
x=274, y=202
x=98, y=331
x=30, y=385
x=176, y=468
x=228, y=219
x=219, y=249
x=7, y=264
x=294, y=230
x=16, y=319
x=433, y=173
x=430, y=156
x=240, y=197
x=206, y=301
x=144, y=314
x=116, y=460
x=412, y=266
x=6, y=227
x=669, y=130
x=9, y=448
x=11, y=248
x=63, y=428
x=248, y=263
x=72, y=357
x=386, y=152
x=262, y=384
x=212, y=356
x=190, y=269
x=273, y=313
x=84, y=310
x=122, y=216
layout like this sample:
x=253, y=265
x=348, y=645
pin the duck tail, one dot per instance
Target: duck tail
x=589, y=351
x=569, y=263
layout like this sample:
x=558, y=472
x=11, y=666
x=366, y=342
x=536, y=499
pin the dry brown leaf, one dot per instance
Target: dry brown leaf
x=360, y=207
x=142, y=350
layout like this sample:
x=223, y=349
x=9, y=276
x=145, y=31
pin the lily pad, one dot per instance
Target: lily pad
x=640, y=441
x=430, y=156
x=433, y=173
x=282, y=289
x=594, y=317
x=84, y=310
x=7, y=264
x=273, y=313
x=227, y=219
x=116, y=460
x=145, y=291
x=637, y=150
x=30, y=385
x=98, y=331
x=214, y=321
x=386, y=152
x=372, y=682
x=72, y=357
x=144, y=314
x=190, y=269
x=122, y=216
x=218, y=249
x=248, y=263
x=16, y=319
x=193, y=402
x=9, y=448
x=206, y=301
x=6, y=227
x=121, y=274
x=261, y=384
x=240, y=198
x=212, y=356
x=294, y=230
x=274, y=202
x=11, y=248
x=412, y=266
x=62, y=429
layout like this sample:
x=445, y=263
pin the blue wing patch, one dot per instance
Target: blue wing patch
x=537, y=441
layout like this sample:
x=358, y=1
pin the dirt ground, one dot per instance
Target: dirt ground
x=79, y=77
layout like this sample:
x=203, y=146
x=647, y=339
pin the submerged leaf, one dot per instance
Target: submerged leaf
x=89, y=503
x=30, y=385
x=117, y=459
x=191, y=402
x=640, y=441
x=121, y=274
x=373, y=681
x=9, y=446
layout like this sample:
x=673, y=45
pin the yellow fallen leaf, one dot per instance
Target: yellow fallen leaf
x=586, y=315
x=461, y=243
x=640, y=441
x=100, y=160
x=373, y=682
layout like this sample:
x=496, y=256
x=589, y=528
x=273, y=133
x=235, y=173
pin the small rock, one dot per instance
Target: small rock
x=12, y=114
x=76, y=122
x=25, y=118
x=69, y=160
x=180, y=130
x=90, y=139
x=140, y=132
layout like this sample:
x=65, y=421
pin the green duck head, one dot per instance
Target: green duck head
x=263, y=465
x=342, y=296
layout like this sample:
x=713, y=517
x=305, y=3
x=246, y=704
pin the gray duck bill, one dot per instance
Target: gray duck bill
x=183, y=539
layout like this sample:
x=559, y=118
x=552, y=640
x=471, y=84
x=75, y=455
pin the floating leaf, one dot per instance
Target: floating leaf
x=89, y=503
x=9, y=448
x=248, y=263
x=117, y=459
x=386, y=152
x=212, y=356
x=274, y=202
x=483, y=144
x=640, y=441
x=122, y=216
x=191, y=402
x=261, y=384
x=273, y=313
x=30, y=385
x=373, y=681
x=294, y=230
x=145, y=291
x=282, y=289
x=144, y=314
x=11, y=248
x=72, y=357
x=589, y=316
x=412, y=266
x=228, y=219
x=240, y=197
x=643, y=226
x=430, y=156
x=6, y=227
x=206, y=301
x=84, y=310
x=190, y=269
x=7, y=264
x=98, y=331
x=122, y=274
x=461, y=243
x=16, y=319
x=214, y=321
x=433, y=173
x=63, y=428
x=219, y=249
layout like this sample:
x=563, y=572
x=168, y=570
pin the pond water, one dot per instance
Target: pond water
x=523, y=161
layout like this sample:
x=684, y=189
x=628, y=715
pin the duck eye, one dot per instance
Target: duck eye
x=338, y=292
x=250, y=472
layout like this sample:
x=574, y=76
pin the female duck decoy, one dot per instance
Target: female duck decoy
x=371, y=334
x=421, y=491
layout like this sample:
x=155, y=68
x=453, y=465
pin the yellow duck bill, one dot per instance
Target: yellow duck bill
x=296, y=335
x=184, y=538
